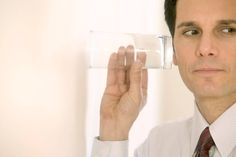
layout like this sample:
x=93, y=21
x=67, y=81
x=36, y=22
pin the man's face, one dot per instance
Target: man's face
x=205, y=46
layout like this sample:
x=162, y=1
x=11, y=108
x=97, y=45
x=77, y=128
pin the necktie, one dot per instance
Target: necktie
x=204, y=144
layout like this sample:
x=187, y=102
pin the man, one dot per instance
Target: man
x=204, y=40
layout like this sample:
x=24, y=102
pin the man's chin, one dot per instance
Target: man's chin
x=208, y=93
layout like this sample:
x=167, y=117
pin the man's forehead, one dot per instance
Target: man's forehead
x=192, y=12
x=218, y=3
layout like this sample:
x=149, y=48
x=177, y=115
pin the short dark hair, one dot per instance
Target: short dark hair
x=170, y=15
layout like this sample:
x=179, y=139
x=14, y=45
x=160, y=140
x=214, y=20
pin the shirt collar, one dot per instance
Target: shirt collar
x=222, y=130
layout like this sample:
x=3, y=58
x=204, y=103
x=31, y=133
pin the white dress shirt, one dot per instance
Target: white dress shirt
x=178, y=139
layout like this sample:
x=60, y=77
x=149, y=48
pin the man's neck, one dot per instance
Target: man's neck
x=212, y=108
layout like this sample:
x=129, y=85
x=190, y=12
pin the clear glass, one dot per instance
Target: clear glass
x=158, y=49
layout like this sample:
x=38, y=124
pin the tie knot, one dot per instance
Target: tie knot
x=204, y=144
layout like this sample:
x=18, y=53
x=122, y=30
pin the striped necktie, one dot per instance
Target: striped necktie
x=204, y=144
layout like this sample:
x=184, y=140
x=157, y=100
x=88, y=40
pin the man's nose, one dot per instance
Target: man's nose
x=207, y=47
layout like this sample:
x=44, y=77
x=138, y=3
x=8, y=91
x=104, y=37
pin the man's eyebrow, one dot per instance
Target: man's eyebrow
x=193, y=24
x=187, y=24
x=227, y=22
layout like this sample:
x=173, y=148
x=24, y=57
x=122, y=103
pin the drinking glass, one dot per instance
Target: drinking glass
x=158, y=48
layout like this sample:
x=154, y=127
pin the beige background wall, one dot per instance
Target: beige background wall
x=42, y=78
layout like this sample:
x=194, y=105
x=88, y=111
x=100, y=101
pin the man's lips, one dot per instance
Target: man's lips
x=207, y=71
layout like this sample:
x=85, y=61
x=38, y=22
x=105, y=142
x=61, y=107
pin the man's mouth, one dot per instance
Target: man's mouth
x=207, y=71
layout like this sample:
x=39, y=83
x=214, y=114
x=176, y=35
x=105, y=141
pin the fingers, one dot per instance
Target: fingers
x=144, y=79
x=135, y=78
x=111, y=73
x=142, y=57
x=121, y=74
x=138, y=75
x=144, y=83
x=129, y=55
x=139, y=80
x=129, y=61
x=116, y=68
x=121, y=66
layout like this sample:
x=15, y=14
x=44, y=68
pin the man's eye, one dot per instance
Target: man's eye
x=228, y=30
x=191, y=32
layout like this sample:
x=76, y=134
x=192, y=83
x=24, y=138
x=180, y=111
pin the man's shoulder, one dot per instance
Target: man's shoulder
x=167, y=136
x=172, y=128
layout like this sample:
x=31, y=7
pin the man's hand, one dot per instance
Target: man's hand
x=125, y=94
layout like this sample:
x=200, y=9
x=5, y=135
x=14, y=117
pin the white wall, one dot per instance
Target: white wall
x=176, y=100
x=42, y=78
